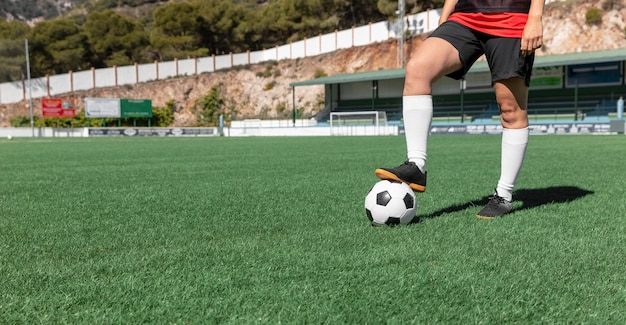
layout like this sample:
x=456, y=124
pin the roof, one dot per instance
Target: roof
x=540, y=61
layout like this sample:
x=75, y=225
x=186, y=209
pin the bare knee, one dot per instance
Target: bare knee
x=512, y=116
x=433, y=59
x=417, y=80
x=512, y=98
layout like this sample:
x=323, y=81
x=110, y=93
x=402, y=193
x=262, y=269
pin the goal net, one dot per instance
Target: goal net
x=252, y=126
x=357, y=123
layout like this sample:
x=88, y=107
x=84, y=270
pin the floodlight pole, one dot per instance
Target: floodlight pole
x=401, y=39
x=576, y=101
x=463, y=86
x=30, y=93
x=293, y=105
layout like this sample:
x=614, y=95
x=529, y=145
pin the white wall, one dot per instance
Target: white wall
x=42, y=132
x=286, y=129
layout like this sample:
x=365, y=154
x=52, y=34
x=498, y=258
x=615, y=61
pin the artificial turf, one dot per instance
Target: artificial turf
x=273, y=230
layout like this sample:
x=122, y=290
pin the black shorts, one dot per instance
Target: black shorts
x=503, y=54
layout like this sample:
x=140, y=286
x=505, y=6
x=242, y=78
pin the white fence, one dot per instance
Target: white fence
x=559, y=128
x=12, y=92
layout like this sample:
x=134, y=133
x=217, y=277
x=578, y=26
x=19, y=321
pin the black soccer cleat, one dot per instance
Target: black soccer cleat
x=408, y=173
x=496, y=207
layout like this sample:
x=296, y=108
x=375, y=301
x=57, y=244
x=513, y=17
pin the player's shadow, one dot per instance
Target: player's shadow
x=530, y=198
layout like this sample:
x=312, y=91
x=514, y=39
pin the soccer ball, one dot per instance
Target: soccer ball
x=9, y=137
x=390, y=203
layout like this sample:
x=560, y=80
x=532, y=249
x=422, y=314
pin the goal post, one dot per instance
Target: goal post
x=252, y=126
x=357, y=123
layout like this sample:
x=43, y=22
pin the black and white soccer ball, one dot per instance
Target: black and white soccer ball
x=390, y=203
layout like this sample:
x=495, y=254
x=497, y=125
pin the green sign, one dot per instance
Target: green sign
x=138, y=108
x=545, y=82
x=547, y=77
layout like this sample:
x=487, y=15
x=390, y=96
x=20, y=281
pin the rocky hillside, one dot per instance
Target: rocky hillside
x=254, y=96
x=566, y=30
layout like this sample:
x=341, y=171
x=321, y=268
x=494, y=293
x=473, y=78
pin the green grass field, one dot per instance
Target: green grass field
x=273, y=231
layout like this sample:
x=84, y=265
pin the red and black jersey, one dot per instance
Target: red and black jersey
x=503, y=18
x=491, y=6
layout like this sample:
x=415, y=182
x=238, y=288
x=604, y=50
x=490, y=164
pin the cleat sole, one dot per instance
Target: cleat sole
x=385, y=175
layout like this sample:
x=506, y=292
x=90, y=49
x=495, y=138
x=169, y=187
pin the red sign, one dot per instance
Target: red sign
x=57, y=107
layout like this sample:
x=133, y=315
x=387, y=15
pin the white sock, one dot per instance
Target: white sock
x=514, y=143
x=417, y=112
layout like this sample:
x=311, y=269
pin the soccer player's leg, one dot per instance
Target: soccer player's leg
x=510, y=72
x=435, y=58
x=511, y=95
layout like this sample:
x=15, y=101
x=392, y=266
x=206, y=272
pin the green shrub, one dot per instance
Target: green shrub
x=209, y=107
x=20, y=121
x=281, y=110
x=319, y=72
x=267, y=72
x=593, y=16
x=163, y=116
x=269, y=85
